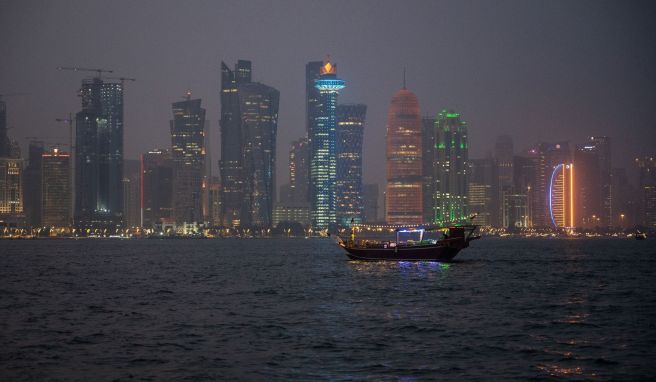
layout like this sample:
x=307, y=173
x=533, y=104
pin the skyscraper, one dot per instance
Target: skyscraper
x=230, y=164
x=403, y=197
x=482, y=191
x=258, y=107
x=99, y=154
x=503, y=154
x=451, y=168
x=299, y=170
x=562, y=196
x=32, y=184
x=312, y=101
x=350, y=131
x=603, y=147
x=131, y=193
x=156, y=188
x=188, y=158
x=427, y=158
x=56, y=189
x=11, y=191
x=323, y=150
x=647, y=191
x=588, y=188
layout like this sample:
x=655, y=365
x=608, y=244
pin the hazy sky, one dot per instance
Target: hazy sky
x=538, y=70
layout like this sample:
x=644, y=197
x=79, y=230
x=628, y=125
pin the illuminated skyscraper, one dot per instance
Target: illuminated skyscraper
x=561, y=196
x=11, y=191
x=323, y=150
x=403, y=198
x=312, y=101
x=156, y=188
x=299, y=170
x=230, y=165
x=588, y=189
x=99, y=154
x=188, y=157
x=451, y=168
x=56, y=189
x=258, y=107
x=350, y=131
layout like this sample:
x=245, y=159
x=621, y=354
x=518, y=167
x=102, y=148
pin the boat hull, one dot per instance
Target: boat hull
x=426, y=253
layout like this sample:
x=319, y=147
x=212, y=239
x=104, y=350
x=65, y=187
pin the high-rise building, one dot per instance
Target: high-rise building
x=588, y=188
x=32, y=184
x=188, y=158
x=603, y=147
x=525, y=176
x=403, y=197
x=56, y=189
x=299, y=171
x=516, y=211
x=99, y=154
x=156, y=188
x=312, y=101
x=427, y=158
x=370, y=194
x=323, y=151
x=11, y=191
x=215, y=202
x=350, y=131
x=451, y=168
x=481, y=191
x=647, y=191
x=230, y=165
x=562, y=196
x=132, y=192
x=625, y=200
x=504, y=156
x=259, y=124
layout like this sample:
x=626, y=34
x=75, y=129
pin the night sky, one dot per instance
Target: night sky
x=548, y=70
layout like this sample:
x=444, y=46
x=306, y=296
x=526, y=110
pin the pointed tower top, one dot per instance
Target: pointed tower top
x=187, y=95
x=328, y=67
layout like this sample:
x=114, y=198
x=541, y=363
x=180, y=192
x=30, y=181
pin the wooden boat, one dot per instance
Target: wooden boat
x=454, y=239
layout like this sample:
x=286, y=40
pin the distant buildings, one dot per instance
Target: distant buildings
x=131, y=193
x=348, y=189
x=99, y=154
x=56, y=189
x=323, y=148
x=157, y=191
x=403, y=197
x=451, y=168
x=188, y=159
x=481, y=191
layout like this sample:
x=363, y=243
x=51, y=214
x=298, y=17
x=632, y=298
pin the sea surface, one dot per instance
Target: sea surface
x=297, y=309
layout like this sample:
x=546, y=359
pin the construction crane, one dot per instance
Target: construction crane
x=78, y=69
x=122, y=79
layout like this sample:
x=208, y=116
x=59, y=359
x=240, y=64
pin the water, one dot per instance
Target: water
x=296, y=309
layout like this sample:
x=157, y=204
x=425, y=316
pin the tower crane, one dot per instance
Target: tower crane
x=78, y=69
x=122, y=79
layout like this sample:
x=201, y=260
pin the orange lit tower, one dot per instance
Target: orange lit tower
x=404, y=178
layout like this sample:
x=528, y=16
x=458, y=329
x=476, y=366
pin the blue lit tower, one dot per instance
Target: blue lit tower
x=323, y=150
x=350, y=130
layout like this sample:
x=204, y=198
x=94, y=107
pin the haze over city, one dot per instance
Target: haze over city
x=549, y=71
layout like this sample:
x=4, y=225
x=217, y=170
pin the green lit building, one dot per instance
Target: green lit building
x=450, y=170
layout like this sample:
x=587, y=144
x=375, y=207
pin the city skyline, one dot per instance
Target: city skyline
x=566, y=96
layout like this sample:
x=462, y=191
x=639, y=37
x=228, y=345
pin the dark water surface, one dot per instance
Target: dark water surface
x=296, y=309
